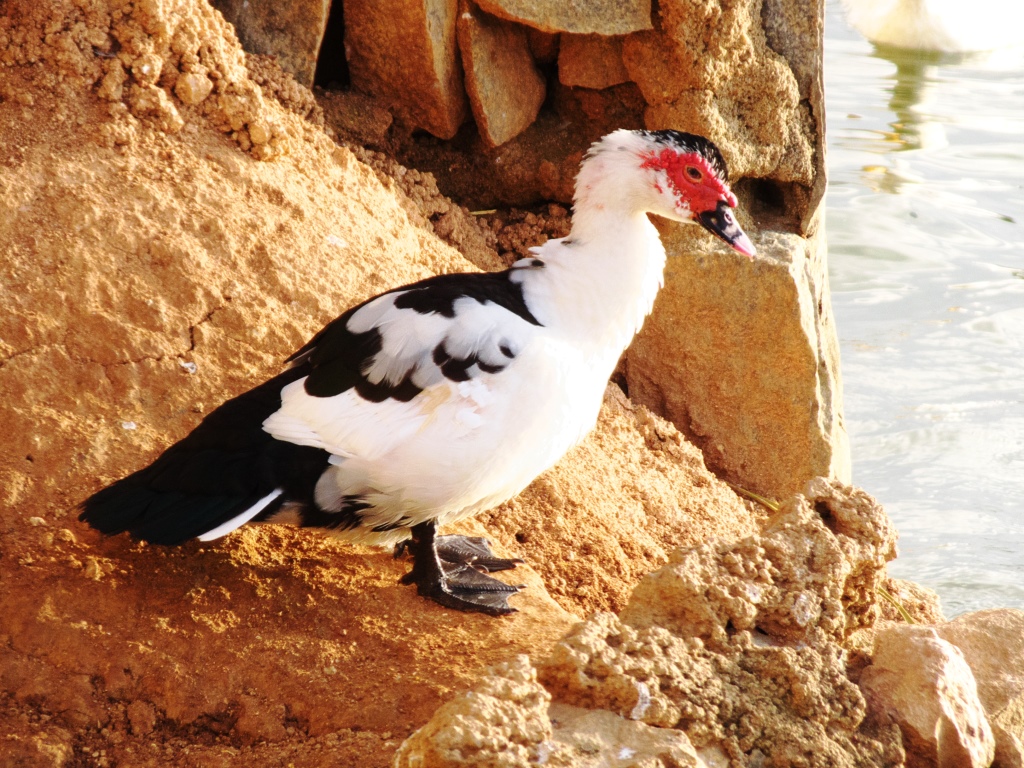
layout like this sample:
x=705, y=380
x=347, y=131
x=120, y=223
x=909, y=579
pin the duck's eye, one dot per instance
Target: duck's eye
x=694, y=173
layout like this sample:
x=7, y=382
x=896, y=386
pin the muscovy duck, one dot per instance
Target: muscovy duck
x=443, y=398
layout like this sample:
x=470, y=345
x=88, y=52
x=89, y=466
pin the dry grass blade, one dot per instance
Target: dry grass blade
x=896, y=603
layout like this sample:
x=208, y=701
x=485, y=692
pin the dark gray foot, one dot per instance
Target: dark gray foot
x=474, y=551
x=450, y=571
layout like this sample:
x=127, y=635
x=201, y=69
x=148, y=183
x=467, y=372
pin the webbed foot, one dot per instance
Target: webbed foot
x=474, y=551
x=451, y=571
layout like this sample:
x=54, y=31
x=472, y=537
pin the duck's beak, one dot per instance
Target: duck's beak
x=721, y=223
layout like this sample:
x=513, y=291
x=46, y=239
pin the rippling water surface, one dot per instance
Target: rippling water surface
x=926, y=250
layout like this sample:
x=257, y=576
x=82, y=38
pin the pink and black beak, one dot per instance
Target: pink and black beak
x=722, y=223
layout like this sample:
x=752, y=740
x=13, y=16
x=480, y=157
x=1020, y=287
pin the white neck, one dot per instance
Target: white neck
x=600, y=282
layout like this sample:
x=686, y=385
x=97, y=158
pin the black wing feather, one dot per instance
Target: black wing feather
x=224, y=466
x=338, y=357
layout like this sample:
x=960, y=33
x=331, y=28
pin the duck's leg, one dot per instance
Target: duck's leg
x=456, y=583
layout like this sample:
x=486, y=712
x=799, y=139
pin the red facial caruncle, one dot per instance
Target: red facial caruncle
x=693, y=178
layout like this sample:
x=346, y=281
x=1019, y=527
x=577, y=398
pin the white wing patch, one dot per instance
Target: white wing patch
x=453, y=360
x=345, y=425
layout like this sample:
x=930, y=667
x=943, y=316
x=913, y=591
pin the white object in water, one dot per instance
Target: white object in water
x=946, y=26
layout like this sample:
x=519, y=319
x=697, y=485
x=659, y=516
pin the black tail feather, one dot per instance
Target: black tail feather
x=223, y=467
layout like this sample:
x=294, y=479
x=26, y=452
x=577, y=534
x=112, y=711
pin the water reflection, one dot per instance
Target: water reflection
x=915, y=84
x=925, y=204
x=915, y=87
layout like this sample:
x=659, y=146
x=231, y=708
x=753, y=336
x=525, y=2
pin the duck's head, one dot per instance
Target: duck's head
x=682, y=177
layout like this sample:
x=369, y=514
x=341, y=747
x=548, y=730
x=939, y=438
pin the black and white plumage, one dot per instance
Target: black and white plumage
x=443, y=398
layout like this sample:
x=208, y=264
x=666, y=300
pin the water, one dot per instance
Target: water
x=926, y=248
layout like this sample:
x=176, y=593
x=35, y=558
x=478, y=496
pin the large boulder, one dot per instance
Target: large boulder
x=922, y=683
x=744, y=359
x=504, y=86
x=992, y=642
x=407, y=53
x=292, y=31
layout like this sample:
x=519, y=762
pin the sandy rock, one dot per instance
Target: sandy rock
x=1008, y=728
x=45, y=748
x=277, y=85
x=192, y=88
x=502, y=723
x=923, y=683
x=505, y=721
x=792, y=29
x=708, y=67
x=587, y=738
x=505, y=89
x=992, y=643
x=779, y=705
x=146, y=69
x=591, y=61
x=920, y=602
x=291, y=31
x=148, y=101
x=743, y=357
x=606, y=17
x=157, y=45
x=111, y=85
x=407, y=52
x=809, y=578
x=356, y=117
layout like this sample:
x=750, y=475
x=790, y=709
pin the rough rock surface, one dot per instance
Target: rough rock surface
x=920, y=602
x=591, y=61
x=505, y=89
x=292, y=31
x=134, y=57
x=922, y=682
x=507, y=721
x=770, y=417
x=604, y=17
x=1008, y=729
x=810, y=577
x=748, y=665
x=794, y=705
x=708, y=66
x=589, y=738
x=992, y=643
x=407, y=52
x=503, y=721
